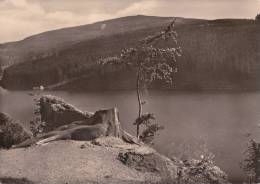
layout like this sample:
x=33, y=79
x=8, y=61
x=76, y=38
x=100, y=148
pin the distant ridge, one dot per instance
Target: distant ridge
x=217, y=55
x=49, y=42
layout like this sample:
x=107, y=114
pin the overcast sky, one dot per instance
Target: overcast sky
x=22, y=18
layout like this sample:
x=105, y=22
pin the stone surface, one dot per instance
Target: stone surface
x=60, y=115
x=55, y=112
x=102, y=123
x=103, y=161
x=73, y=162
x=145, y=159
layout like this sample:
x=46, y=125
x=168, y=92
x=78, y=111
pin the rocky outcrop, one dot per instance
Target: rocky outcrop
x=97, y=150
x=145, y=159
x=102, y=123
x=11, y=132
x=64, y=120
x=55, y=112
x=173, y=170
x=78, y=162
x=103, y=160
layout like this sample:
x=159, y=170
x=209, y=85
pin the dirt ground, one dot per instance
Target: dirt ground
x=69, y=162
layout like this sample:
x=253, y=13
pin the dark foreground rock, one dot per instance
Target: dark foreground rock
x=8, y=180
x=11, y=132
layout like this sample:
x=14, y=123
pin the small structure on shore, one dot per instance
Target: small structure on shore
x=41, y=88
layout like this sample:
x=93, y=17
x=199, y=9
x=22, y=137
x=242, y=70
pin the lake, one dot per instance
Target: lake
x=223, y=122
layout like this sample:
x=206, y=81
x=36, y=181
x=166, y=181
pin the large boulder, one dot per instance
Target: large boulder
x=145, y=159
x=102, y=123
x=55, y=112
x=173, y=170
x=60, y=115
x=11, y=132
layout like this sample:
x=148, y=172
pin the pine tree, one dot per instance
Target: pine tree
x=251, y=165
x=150, y=63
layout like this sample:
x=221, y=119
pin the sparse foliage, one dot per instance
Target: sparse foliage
x=151, y=127
x=151, y=63
x=200, y=171
x=191, y=148
x=37, y=127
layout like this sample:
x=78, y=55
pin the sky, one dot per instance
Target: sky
x=23, y=18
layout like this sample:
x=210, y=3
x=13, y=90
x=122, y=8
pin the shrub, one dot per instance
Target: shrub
x=151, y=127
x=191, y=148
x=11, y=132
x=37, y=127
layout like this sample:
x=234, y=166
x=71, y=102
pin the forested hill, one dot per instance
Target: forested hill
x=49, y=43
x=217, y=55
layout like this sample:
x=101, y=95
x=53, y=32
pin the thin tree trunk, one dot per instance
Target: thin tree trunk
x=139, y=100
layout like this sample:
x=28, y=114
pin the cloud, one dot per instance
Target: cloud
x=142, y=7
x=19, y=19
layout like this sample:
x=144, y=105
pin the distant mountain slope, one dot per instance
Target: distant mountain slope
x=51, y=42
x=217, y=54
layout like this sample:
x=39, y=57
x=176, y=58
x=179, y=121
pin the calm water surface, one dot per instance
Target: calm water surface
x=225, y=122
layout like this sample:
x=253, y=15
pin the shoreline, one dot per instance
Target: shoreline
x=177, y=91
